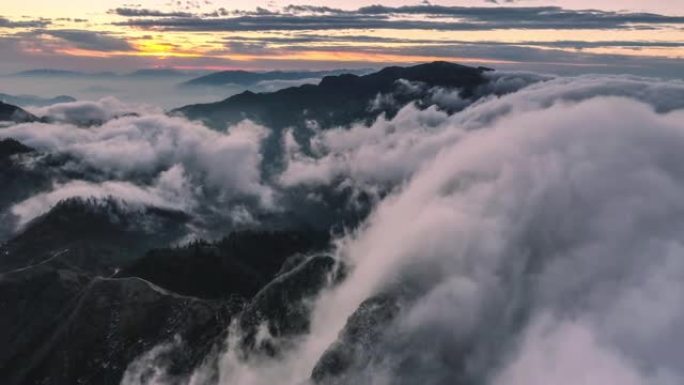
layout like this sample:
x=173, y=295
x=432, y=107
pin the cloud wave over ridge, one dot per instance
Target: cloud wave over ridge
x=532, y=239
x=140, y=156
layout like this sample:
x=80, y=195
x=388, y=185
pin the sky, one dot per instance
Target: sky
x=631, y=36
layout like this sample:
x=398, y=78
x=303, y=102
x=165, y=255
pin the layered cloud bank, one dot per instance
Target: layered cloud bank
x=142, y=157
x=529, y=246
x=532, y=238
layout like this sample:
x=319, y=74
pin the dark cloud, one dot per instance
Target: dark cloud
x=142, y=12
x=94, y=41
x=599, y=44
x=247, y=47
x=437, y=17
x=309, y=38
x=538, y=56
x=311, y=9
x=6, y=23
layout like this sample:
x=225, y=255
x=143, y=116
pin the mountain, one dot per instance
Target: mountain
x=48, y=73
x=64, y=327
x=11, y=113
x=159, y=73
x=9, y=147
x=246, y=78
x=93, y=291
x=337, y=100
x=63, y=324
x=91, y=236
x=34, y=101
x=240, y=264
x=146, y=72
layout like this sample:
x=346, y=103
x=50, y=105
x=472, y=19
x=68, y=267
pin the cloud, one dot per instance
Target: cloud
x=131, y=195
x=570, y=352
x=89, y=112
x=41, y=23
x=143, y=12
x=538, y=241
x=378, y=16
x=386, y=152
x=541, y=56
x=389, y=151
x=275, y=85
x=90, y=40
x=532, y=237
x=151, y=158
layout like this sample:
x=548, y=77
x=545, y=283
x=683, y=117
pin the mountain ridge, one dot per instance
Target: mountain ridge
x=12, y=113
x=337, y=100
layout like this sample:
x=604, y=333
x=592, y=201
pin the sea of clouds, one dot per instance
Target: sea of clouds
x=539, y=234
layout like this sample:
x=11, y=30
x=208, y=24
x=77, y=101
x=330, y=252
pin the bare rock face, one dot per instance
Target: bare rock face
x=337, y=100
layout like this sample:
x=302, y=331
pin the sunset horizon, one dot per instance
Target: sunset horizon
x=571, y=36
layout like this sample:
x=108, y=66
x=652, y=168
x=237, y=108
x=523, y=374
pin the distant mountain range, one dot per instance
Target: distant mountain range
x=48, y=72
x=11, y=113
x=246, y=78
x=338, y=99
x=34, y=101
x=196, y=78
x=151, y=72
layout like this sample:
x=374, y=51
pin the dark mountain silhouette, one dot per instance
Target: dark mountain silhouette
x=158, y=72
x=337, y=100
x=11, y=113
x=64, y=322
x=63, y=327
x=9, y=147
x=241, y=263
x=91, y=236
x=146, y=72
x=34, y=101
x=48, y=73
x=247, y=78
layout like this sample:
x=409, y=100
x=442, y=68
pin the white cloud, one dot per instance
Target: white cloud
x=540, y=232
x=124, y=192
x=559, y=205
x=177, y=161
x=87, y=112
x=567, y=353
